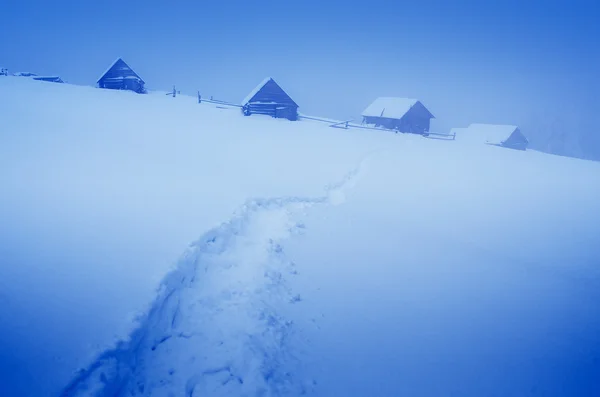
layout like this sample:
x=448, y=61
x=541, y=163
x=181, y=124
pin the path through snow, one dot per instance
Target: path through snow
x=216, y=327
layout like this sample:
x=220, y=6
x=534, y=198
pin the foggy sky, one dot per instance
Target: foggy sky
x=534, y=64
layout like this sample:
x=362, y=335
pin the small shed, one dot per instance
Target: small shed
x=51, y=79
x=119, y=76
x=24, y=74
x=509, y=136
x=400, y=114
x=270, y=99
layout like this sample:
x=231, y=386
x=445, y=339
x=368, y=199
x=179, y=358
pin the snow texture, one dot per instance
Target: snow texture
x=110, y=202
x=216, y=327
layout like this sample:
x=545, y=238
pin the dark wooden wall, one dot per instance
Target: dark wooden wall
x=121, y=77
x=273, y=101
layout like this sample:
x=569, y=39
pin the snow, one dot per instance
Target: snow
x=95, y=182
x=389, y=107
x=486, y=133
x=329, y=262
x=256, y=90
x=458, y=131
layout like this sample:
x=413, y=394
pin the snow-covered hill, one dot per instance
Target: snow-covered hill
x=330, y=262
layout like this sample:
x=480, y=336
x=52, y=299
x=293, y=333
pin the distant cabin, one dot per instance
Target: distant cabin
x=24, y=74
x=270, y=99
x=119, y=76
x=509, y=136
x=400, y=114
x=51, y=79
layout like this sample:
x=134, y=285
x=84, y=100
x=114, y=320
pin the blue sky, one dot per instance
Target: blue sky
x=468, y=61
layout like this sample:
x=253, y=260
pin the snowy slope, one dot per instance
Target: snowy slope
x=330, y=262
x=96, y=209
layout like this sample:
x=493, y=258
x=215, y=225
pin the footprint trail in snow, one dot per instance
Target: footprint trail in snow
x=216, y=327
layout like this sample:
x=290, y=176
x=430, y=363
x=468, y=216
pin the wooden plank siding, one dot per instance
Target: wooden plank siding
x=416, y=119
x=121, y=77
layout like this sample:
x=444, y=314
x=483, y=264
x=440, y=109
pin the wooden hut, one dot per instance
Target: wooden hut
x=270, y=99
x=509, y=136
x=400, y=114
x=119, y=76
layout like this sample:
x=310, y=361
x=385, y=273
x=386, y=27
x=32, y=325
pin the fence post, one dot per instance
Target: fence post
x=199, y=97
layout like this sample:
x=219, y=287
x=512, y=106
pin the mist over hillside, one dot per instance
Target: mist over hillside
x=531, y=65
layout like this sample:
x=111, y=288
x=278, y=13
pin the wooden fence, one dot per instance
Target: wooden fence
x=345, y=124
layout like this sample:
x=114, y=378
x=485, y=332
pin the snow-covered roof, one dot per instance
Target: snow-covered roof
x=255, y=90
x=389, y=107
x=486, y=133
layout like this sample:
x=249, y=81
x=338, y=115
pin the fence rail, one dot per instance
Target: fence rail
x=347, y=124
x=343, y=124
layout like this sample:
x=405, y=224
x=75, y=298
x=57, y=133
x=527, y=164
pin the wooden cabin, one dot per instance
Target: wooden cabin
x=400, y=114
x=119, y=76
x=270, y=99
x=508, y=136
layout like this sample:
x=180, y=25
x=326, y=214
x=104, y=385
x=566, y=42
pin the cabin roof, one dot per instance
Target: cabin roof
x=112, y=65
x=256, y=90
x=489, y=133
x=54, y=78
x=260, y=86
x=391, y=107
